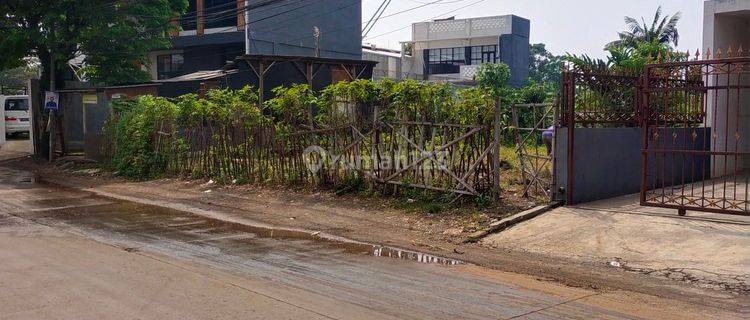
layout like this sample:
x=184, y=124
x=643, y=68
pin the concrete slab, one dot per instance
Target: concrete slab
x=711, y=250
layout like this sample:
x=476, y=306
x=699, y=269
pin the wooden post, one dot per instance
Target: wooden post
x=240, y=15
x=52, y=113
x=520, y=147
x=496, y=157
x=261, y=83
x=201, y=19
x=309, y=76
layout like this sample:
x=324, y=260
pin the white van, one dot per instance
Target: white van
x=16, y=114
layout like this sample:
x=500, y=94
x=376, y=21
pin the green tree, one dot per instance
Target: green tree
x=16, y=78
x=493, y=77
x=626, y=59
x=663, y=29
x=544, y=67
x=114, y=36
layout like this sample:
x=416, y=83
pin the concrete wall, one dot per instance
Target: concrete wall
x=607, y=161
x=727, y=23
x=389, y=64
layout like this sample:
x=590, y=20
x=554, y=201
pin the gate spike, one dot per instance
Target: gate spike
x=740, y=52
x=707, y=54
x=718, y=53
x=668, y=55
x=697, y=54
x=649, y=58
x=687, y=55
x=729, y=52
x=658, y=57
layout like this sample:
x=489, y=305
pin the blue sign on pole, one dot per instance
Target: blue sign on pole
x=51, y=100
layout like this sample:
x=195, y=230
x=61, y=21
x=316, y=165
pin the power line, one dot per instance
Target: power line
x=435, y=17
x=378, y=13
x=352, y=26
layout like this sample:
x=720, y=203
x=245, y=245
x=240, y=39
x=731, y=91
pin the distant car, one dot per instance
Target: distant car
x=16, y=114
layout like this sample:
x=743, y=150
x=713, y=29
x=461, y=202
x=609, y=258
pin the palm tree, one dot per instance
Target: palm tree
x=662, y=30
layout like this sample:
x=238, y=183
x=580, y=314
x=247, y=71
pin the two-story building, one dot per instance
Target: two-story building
x=451, y=49
x=213, y=33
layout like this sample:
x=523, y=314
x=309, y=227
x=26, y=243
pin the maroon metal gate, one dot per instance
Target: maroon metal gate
x=696, y=124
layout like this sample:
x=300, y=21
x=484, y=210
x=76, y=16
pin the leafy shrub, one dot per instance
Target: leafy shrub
x=137, y=127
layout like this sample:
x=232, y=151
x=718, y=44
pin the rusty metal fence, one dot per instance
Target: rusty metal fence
x=593, y=99
x=696, y=135
x=599, y=99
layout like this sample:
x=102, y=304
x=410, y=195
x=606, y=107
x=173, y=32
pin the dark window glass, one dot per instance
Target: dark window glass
x=188, y=20
x=216, y=14
x=446, y=60
x=16, y=104
x=484, y=54
x=220, y=13
x=169, y=65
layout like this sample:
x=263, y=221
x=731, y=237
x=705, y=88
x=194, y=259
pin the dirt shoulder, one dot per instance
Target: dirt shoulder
x=374, y=220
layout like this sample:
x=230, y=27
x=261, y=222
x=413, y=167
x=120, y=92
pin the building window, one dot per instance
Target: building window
x=216, y=14
x=220, y=13
x=188, y=20
x=446, y=60
x=484, y=54
x=169, y=65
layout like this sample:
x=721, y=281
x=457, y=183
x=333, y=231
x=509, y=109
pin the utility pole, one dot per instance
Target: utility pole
x=317, y=34
x=247, y=26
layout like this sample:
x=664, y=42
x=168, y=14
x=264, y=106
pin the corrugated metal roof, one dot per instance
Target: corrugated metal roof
x=200, y=75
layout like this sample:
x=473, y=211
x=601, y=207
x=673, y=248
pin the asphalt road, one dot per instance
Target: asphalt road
x=69, y=254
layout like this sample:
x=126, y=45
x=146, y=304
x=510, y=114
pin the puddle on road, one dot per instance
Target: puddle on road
x=157, y=223
x=153, y=223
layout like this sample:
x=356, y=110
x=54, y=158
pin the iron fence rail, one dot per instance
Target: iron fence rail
x=696, y=153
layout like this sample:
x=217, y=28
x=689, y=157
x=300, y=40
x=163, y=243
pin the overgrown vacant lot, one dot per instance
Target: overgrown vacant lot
x=428, y=148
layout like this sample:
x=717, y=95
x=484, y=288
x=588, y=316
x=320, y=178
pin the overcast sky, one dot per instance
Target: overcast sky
x=575, y=26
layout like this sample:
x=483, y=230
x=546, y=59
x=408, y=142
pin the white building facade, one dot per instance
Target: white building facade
x=726, y=24
x=451, y=49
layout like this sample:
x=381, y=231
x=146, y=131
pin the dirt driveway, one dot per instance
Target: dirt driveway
x=709, y=250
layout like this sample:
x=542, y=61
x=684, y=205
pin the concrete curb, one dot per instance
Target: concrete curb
x=511, y=221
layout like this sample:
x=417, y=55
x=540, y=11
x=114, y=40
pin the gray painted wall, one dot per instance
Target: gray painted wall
x=514, y=51
x=285, y=28
x=608, y=161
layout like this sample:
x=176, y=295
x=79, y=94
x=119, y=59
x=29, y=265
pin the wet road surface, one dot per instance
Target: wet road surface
x=377, y=280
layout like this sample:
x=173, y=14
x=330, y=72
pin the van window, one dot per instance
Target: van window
x=17, y=105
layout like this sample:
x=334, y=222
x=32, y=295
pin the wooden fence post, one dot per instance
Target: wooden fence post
x=496, y=158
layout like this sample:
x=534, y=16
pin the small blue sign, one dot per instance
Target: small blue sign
x=51, y=105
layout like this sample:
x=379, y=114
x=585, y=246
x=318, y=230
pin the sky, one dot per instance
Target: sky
x=573, y=26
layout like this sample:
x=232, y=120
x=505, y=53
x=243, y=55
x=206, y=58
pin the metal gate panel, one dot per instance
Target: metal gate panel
x=696, y=124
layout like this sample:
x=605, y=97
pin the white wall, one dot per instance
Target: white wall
x=2, y=122
x=727, y=23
